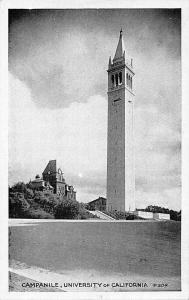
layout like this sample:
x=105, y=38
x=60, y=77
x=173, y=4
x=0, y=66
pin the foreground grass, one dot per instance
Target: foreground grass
x=16, y=281
x=151, y=248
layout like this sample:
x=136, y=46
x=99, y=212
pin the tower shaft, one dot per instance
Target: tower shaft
x=120, y=150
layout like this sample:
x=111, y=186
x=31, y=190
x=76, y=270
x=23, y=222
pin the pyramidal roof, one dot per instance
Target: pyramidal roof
x=51, y=167
x=120, y=47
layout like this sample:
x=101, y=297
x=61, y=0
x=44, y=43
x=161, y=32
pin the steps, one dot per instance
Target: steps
x=101, y=215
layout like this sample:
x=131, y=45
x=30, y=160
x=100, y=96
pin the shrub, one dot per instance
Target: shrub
x=18, y=205
x=84, y=214
x=22, y=188
x=38, y=214
x=67, y=209
x=47, y=201
x=119, y=215
x=19, y=187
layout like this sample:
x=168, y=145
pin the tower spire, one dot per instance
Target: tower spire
x=120, y=47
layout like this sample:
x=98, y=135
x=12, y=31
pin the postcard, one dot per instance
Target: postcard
x=95, y=139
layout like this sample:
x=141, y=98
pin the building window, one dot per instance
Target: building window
x=116, y=79
x=120, y=78
x=129, y=80
x=112, y=78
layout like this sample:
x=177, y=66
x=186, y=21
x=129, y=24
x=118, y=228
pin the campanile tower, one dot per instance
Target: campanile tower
x=120, y=155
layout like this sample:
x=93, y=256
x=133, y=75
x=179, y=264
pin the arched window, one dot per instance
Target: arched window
x=120, y=78
x=112, y=78
x=129, y=81
x=116, y=79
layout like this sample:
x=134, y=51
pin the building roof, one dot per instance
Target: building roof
x=37, y=180
x=51, y=167
x=120, y=47
x=99, y=198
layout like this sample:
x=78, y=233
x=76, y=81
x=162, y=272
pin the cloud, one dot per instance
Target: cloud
x=75, y=136
x=157, y=150
x=62, y=55
x=169, y=198
x=58, y=102
x=58, y=67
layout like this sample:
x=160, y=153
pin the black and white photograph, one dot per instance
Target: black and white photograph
x=94, y=150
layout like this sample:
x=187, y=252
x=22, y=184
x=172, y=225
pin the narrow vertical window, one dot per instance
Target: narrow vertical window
x=131, y=82
x=112, y=78
x=116, y=79
x=127, y=79
x=120, y=78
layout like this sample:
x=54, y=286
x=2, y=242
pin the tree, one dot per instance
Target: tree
x=18, y=206
x=47, y=201
x=23, y=188
x=67, y=209
x=38, y=214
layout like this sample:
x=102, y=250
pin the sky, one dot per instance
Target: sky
x=58, y=97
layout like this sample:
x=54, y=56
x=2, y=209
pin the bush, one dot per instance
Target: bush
x=67, y=209
x=174, y=215
x=46, y=200
x=22, y=188
x=38, y=214
x=84, y=214
x=26, y=202
x=119, y=215
x=19, y=187
x=18, y=205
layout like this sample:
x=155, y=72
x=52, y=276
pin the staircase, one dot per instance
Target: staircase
x=101, y=215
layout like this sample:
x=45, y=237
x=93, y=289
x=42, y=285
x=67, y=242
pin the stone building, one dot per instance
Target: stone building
x=120, y=145
x=53, y=181
x=41, y=185
x=54, y=176
x=97, y=204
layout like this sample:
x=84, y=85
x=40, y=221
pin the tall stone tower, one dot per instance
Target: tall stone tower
x=120, y=150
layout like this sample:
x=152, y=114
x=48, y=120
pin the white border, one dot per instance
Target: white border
x=4, y=5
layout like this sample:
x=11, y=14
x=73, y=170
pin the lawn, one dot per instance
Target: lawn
x=147, y=251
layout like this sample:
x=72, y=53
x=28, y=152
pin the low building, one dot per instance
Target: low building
x=41, y=185
x=161, y=216
x=97, y=204
x=152, y=215
x=144, y=214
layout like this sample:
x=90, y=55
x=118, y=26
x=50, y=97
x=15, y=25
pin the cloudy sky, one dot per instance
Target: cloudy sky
x=58, y=97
